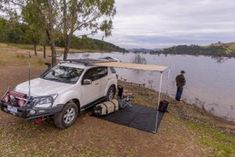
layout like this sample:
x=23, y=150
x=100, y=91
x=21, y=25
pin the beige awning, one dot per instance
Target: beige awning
x=146, y=67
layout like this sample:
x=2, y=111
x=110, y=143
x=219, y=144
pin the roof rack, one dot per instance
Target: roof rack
x=86, y=62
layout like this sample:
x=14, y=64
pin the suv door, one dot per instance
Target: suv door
x=103, y=76
x=91, y=92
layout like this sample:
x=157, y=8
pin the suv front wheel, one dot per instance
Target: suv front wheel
x=67, y=116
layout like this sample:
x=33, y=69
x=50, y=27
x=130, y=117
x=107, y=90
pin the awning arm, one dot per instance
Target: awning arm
x=159, y=100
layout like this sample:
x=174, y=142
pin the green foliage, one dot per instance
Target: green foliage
x=15, y=32
x=25, y=34
x=64, y=16
x=90, y=44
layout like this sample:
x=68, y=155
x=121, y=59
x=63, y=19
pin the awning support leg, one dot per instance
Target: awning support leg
x=160, y=90
x=159, y=100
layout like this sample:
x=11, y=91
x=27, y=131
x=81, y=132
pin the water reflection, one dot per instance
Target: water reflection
x=220, y=59
x=139, y=60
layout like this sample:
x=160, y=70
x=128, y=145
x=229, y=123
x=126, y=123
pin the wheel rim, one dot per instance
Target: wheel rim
x=111, y=94
x=69, y=115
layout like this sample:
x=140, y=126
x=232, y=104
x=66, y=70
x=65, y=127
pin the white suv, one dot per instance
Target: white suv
x=62, y=92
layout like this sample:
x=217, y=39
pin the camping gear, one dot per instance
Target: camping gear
x=120, y=91
x=163, y=106
x=126, y=100
x=106, y=108
x=146, y=67
x=124, y=97
x=139, y=117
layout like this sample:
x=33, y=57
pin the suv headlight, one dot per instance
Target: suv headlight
x=45, y=101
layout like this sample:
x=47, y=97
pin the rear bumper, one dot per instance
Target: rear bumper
x=30, y=113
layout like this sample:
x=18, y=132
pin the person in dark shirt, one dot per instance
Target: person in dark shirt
x=180, y=83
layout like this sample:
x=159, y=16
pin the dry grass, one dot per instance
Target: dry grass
x=11, y=56
x=215, y=133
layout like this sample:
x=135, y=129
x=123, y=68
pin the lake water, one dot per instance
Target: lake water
x=210, y=82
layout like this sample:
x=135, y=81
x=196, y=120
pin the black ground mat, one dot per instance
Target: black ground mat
x=136, y=116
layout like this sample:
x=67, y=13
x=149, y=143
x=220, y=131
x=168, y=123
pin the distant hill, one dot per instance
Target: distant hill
x=216, y=50
x=91, y=44
x=142, y=50
x=138, y=50
x=15, y=32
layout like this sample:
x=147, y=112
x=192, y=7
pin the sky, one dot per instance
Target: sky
x=164, y=23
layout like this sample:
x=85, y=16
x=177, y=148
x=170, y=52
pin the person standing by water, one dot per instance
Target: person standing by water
x=180, y=83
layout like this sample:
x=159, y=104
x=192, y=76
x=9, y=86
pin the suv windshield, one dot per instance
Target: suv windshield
x=63, y=74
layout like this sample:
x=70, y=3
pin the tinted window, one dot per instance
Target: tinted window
x=96, y=73
x=90, y=74
x=112, y=70
x=102, y=71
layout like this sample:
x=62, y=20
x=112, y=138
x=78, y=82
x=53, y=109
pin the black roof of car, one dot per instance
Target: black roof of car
x=87, y=62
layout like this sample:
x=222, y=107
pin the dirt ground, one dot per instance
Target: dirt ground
x=89, y=136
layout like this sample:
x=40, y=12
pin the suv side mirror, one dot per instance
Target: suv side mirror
x=86, y=82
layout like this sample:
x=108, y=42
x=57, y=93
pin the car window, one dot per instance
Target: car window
x=96, y=73
x=112, y=70
x=102, y=71
x=90, y=74
x=63, y=74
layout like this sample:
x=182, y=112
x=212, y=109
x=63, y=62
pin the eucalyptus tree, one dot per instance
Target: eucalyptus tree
x=88, y=16
x=84, y=17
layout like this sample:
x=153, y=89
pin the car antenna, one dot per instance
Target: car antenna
x=29, y=73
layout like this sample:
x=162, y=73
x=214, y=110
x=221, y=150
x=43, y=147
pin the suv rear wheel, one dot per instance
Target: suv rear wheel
x=110, y=93
x=67, y=116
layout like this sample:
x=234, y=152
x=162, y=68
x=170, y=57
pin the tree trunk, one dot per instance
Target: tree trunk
x=53, y=50
x=65, y=31
x=35, y=49
x=50, y=32
x=66, y=48
x=53, y=54
x=65, y=53
x=67, y=41
x=44, y=50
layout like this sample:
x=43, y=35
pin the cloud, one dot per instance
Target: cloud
x=160, y=23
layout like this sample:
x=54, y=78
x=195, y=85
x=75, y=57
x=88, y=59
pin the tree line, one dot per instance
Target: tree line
x=11, y=31
x=221, y=50
x=66, y=17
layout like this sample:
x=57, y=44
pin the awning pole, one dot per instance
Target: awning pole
x=159, y=99
x=168, y=82
x=160, y=90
